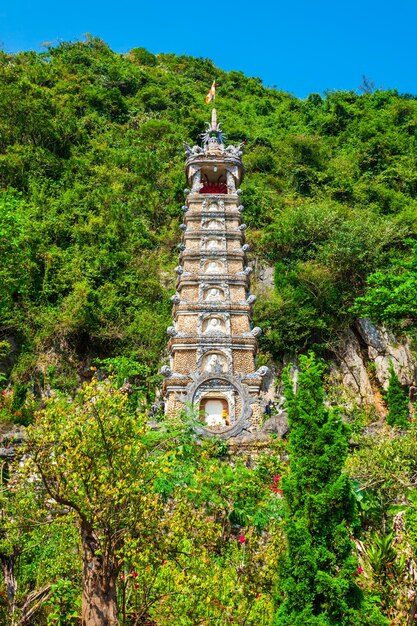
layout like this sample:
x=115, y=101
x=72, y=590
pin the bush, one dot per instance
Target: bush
x=397, y=400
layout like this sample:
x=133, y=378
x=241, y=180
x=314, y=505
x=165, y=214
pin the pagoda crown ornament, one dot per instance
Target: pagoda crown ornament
x=212, y=346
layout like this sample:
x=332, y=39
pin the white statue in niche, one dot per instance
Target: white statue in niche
x=213, y=224
x=212, y=244
x=214, y=363
x=214, y=325
x=215, y=413
x=214, y=294
x=213, y=206
x=213, y=267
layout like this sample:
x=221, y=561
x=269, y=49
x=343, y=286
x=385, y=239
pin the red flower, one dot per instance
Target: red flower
x=122, y=576
x=275, y=487
x=242, y=538
x=360, y=570
x=134, y=574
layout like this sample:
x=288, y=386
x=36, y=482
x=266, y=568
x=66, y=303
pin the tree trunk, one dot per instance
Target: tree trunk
x=99, y=601
x=8, y=562
x=413, y=611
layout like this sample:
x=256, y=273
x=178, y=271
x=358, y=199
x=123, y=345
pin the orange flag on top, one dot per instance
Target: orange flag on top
x=212, y=93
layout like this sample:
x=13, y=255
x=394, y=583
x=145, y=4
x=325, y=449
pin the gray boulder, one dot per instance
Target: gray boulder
x=277, y=425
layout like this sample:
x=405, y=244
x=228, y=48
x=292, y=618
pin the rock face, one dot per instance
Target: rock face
x=349, y=369
x=363, y=360
x=277, y=425
x=383, y=348
x=11, y=436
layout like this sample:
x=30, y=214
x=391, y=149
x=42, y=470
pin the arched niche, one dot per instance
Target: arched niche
x=213, y=224
x=219, y=385
x=214, y=325
x=213, y=294
x=212, y=205
x=212, y=244
x=214, y=411
x=213, y=266
x=214, y=362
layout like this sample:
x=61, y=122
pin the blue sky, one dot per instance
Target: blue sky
x=300, y=47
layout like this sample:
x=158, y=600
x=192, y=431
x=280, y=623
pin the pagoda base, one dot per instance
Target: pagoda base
x=224, y=405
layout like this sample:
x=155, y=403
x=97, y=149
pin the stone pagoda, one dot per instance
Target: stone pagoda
x=212, y=346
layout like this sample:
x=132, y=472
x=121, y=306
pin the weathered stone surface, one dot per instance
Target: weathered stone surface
x=248, y=439
x=350, y=369
x=211, y=332
x=11, y=436
x=384, y=348
x=277, y=425
x=266, y=276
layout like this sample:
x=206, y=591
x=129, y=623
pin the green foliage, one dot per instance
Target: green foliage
x=390, y=297
x=411, y=521
x=319, y=566
x=385, y=464
x=384, y=469
x=17, y=405
x=91, y=180
x=386, y=565
x=219, y=556
x=397, y=400
x=64, y=604
x=167, y=515
x=325, y=251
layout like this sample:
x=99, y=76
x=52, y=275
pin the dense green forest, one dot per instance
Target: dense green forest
x=91, y=188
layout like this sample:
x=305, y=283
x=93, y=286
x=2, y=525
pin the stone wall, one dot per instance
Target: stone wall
x=362, y=361
x=243, y=361
x=185, y=361
x=240, y=324
x=187, y=324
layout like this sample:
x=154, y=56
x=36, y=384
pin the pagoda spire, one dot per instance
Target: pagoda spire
x=214, y=120
x=212, y=346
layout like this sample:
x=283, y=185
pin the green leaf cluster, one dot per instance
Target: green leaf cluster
x=91, y=180
x=319, y=566
x=397, y=401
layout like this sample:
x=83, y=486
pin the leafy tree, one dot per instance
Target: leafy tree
x=33, y=554
x=218, y=547
x=397, y=400
x=160, y=520
x=99, y=460
x=319, y=574
x=390, y=297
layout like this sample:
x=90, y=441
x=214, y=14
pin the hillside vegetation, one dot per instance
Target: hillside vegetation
x=104, y=515
x=91, y=179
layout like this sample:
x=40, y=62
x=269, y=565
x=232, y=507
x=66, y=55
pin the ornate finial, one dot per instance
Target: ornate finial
x=213, y=135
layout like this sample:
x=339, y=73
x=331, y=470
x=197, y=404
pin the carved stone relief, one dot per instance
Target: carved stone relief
x=212, y=244
x=213, y=294
x=212, y=266
x=213, y=205
x=214, y=362
x=213, y=224
x=214, y=325
x=229, y=387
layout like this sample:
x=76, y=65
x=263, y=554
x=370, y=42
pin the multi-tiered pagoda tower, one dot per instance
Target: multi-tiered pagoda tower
x=213, y=346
